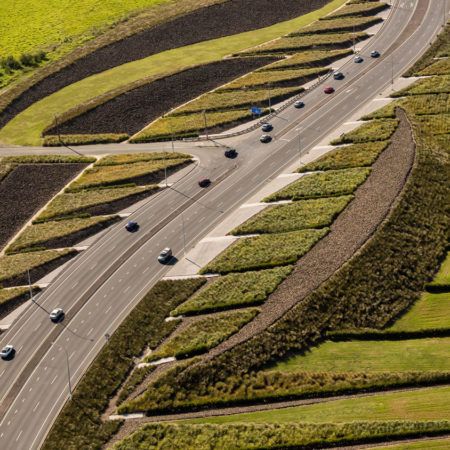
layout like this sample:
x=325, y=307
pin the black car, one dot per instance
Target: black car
x=299, y=104
x=375, y=54
x=267, y=127
x=231, y=153
x=205, y=182
x=265, y=138
x=338, y=76
x=132, y=226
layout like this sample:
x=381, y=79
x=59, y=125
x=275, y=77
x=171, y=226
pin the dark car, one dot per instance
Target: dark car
x=267, y=127
x=57, y=315
x=299, y=104
x=205, y=182
x=231, y=153
x=328, y=90
x=358, y=59
x=265, y=138
x=7, y=352
x=132, y=226
x=338, y=76
x=165, y=255
x=375, y=54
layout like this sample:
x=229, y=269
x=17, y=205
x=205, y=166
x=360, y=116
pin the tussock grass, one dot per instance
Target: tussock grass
x=264, y=251
x=133, y=381
x=435, y=124
x=341, y=24
x=46, y=159
x=427, y=104
x=237, y=289
x=433, y=85
x=5, y=169
x=6, y=295
x=356, y=155
x=358, y=9
x=83, y=139
x=204, y=334
x=131, y=158
x=376, y=130
x=76, y=203
x=315, y=213
x=386, y=112
x=441, y=67
x=322, y=184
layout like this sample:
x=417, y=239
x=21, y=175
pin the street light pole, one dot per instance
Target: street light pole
x=68, y=372
x=184, y=235
x=392, y=71
x=206, y=125
x=270, y=99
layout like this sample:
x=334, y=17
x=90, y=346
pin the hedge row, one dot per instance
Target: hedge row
x=83, y=139
x=80, y=425
x=352, y=23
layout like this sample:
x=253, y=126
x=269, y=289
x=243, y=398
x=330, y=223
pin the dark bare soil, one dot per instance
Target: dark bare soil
x=26, y=189
x=133, y=110
x=231, y=17
x=11, y=305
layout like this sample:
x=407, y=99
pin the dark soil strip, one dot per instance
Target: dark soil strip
x=27, y=189
x=350, y=231
x=228, y=18
x=133, y=110
x=9, y=306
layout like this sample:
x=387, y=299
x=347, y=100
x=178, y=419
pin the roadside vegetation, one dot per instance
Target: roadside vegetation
x=83, y=139
x=358, y=9
x=376, y=130
x=14, y=297
x=433, y=85
x=352, y=23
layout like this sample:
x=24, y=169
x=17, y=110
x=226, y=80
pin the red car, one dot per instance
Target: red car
x=328, y=90
x=204, y=183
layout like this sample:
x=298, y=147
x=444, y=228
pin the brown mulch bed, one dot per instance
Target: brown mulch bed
x=133, y=110
x=27, y=189
x=223, y=19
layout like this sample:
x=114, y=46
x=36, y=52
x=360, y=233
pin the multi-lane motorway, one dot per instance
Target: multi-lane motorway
x=99, y=287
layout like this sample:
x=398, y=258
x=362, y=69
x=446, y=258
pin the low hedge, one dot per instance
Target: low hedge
x=351, y=23
x=47, y=159
x=357, y=9
x=275, y=436
x=264, y=251
x=376, y=130
x=82, y=139
x=370, y=334
x=133, y=381
x=80, y=424
x=132, y=158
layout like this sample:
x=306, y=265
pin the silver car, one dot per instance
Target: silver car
x=57, y=315
x=7, y=352
x=165, y=255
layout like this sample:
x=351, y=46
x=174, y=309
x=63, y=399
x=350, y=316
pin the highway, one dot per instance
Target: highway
x=100, y=287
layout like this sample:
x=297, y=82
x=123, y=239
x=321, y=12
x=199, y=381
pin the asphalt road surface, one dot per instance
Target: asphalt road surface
x=100, y=287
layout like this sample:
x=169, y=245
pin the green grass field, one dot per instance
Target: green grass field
x=423, y=404
x=368, y=356
x=26, y=128
x=443, y=275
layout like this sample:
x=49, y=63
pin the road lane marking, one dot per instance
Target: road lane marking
x=1, y=374
x=54, y=379
x=75, y=285
x=18, y=436
x=90, y=331
x=38, y=378
x=127, y=289
x=146, y=270
x=23, y=400
x=36, y=407
x=73, y=353
x=29, y=390
x=16, y=411
x=107, y=311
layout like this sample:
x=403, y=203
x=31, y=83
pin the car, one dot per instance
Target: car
x=299, y=104
x=266, y=127
x=7, y=352
x=165, y=255
x=328, y=90
x=374, y=54
x=231, y=153
x=338, y=75
x=205, y=182
x=265, y=138
x=57, y=315
x=358, y=59
x=132, y=226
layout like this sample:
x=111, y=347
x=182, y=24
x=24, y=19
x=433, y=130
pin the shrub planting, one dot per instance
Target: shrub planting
x=236, y=289
x=315, y=213
x=5, y=169
x=322, y=184
x=354, y=23
x=264, y=251
x=432, y=85
x=131, y=158
x=47, y=159
x=436, y=124
x=441, y=67
x=203, y=334
x=112, y=365
x=355, y=155
x=376, y=130
x=83, y=139
x=427, y=104
x=358, y=9
x=138, y=375
x=386, y=112
x=12, y=298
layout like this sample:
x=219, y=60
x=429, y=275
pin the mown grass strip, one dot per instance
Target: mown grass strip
x=332, y=183
x=83, y=139
x=203, y=334
x=356, y=155
x=43, y=235
x=376, y=130
x=442, y=279
x=237, y=289
x=273, y=435
x=315, y=213
x=341, y=24
x=264, y=251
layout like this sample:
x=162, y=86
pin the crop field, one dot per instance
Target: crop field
x=83, y=139
x=220, y=101
x=203, y=334
x=53, y=234
x=355, y=155
x=75, y=203
x=264, y=251
x=354, y=23
x=315, y=213
x=376, y=130
x=441, y=67
x=332, y=183
x=424, y=404
x=432, y=85
x=373, y=356
x=234, y=290
x=358, y=9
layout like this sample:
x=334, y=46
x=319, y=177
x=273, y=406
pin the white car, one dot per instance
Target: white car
x=56, y=315
x=358, y=59
x=7, y=352
x=165, y=255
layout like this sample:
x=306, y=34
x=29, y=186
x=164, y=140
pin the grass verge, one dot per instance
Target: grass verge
x=376, y=130
x=82, y=139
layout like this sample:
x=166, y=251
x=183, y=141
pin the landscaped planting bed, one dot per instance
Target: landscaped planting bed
x=59, y=234
x=83, y=139
x=441, y=67
x=220, y=101
x=436, y=124
x=46, y=159
x=109, y=370
x=131, y=158
x=133, y=381
x=12, y=298
x=315, y=213
x=307, y=42
x=234, y=290
x=13, y=268
x=203, y=334
x=26, y=189
x=376, y=130
x=94, y=201
x=358, y=9
x=432, y=85
x=356, y=155
x=354, y=23
x=427, y=104
x=274, y=436
x=331, y=183
x=264, y=251
x=5, y=169
x=441, y=281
